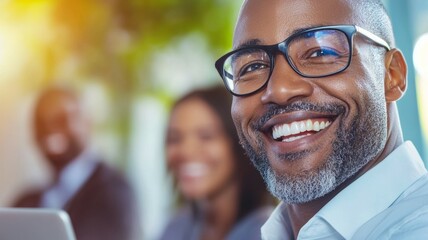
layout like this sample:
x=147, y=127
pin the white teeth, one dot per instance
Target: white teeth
x=309, y=125
x=302, y=126
x=317, y=126
x=193, y=169
x=57, y=143
x=295, y=128
x=290, y=139
x=286, y=130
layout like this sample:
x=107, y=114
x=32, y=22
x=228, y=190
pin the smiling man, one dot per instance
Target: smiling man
x=315, y=85
x=99, y=199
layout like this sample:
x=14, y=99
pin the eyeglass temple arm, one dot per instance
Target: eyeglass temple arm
x=227, y=75
x=373, y=37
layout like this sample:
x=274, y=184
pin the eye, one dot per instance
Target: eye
x=206, y=136
x=173, y=139
x=324, y=52
x=252, y=67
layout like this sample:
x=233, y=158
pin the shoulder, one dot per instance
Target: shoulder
x=106, y=186
x=249, y=227
x=28, y=199
x=106, y=175
x=406, y=217
x=259, y=216
x=178, y=225
x=397, y=223
x=414, y=226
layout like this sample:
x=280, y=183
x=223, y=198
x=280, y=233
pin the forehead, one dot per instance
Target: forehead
x=271, y=21
x=53, y=106
x=193, y=113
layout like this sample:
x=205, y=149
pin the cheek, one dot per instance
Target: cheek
x=369, y=74
x=225, y=158
x=173, y=156
x=369, y=92
x=236, y=111
x=77, y=127
x=220, y=156
x=243, y=112
x=357, y=88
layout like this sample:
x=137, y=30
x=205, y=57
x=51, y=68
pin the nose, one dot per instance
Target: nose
x=285, y=85
x=186, y=149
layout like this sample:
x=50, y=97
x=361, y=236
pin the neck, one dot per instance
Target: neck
x=59, y=164
x=300, y=214
x=219, y=213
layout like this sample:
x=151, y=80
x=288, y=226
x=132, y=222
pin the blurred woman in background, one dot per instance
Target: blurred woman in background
x=224, y=196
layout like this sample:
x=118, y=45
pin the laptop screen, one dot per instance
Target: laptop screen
x=35, y=224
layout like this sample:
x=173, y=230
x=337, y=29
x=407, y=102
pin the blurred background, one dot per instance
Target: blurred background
x=131, y=59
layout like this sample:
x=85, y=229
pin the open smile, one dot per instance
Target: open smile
x=299, y=129
x=292, y=127
x=193, y=170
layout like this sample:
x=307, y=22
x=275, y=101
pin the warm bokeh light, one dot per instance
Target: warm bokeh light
x=13, y=56
x=25, y=33
x=116, y=52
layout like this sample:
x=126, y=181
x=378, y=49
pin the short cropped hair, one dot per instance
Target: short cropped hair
x=373, y=15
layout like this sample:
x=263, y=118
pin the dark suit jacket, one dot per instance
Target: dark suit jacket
x=103, y=209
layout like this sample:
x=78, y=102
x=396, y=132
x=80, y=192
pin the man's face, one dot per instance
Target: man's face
x=349, y=107
x=60, y=130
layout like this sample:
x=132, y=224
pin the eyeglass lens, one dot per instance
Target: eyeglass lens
x=312, y=54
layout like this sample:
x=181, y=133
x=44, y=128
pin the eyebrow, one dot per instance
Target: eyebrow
x=251, y=42
x=258, y=42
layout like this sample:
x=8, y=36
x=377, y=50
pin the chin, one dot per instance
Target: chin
x=193, y=195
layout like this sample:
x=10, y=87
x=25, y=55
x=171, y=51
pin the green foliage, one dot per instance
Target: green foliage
x=91, y=29
x=111, y=42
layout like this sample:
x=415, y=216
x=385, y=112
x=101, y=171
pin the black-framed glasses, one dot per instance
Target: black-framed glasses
x=312, y=53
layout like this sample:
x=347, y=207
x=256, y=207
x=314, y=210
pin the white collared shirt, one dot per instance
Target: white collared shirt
x=70, y=181
x=387, y=202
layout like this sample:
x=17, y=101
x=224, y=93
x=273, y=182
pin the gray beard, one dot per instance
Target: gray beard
x=353, y=148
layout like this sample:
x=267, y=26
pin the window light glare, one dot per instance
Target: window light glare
x=420, y=55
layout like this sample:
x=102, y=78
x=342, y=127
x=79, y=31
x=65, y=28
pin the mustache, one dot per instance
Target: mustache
x=274, y=109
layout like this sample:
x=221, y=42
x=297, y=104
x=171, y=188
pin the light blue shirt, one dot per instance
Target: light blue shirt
x=390, y=201
x=70, y=181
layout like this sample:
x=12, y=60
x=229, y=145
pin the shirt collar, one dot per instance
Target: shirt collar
x=71, y=179
x=77, y=171
x=361, y=199
x=386, y=179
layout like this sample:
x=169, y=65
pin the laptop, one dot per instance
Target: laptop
x=35, y=224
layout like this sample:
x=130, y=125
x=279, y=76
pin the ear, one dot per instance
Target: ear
x=395, y=75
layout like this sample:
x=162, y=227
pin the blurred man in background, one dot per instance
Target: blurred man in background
x=98, y=199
